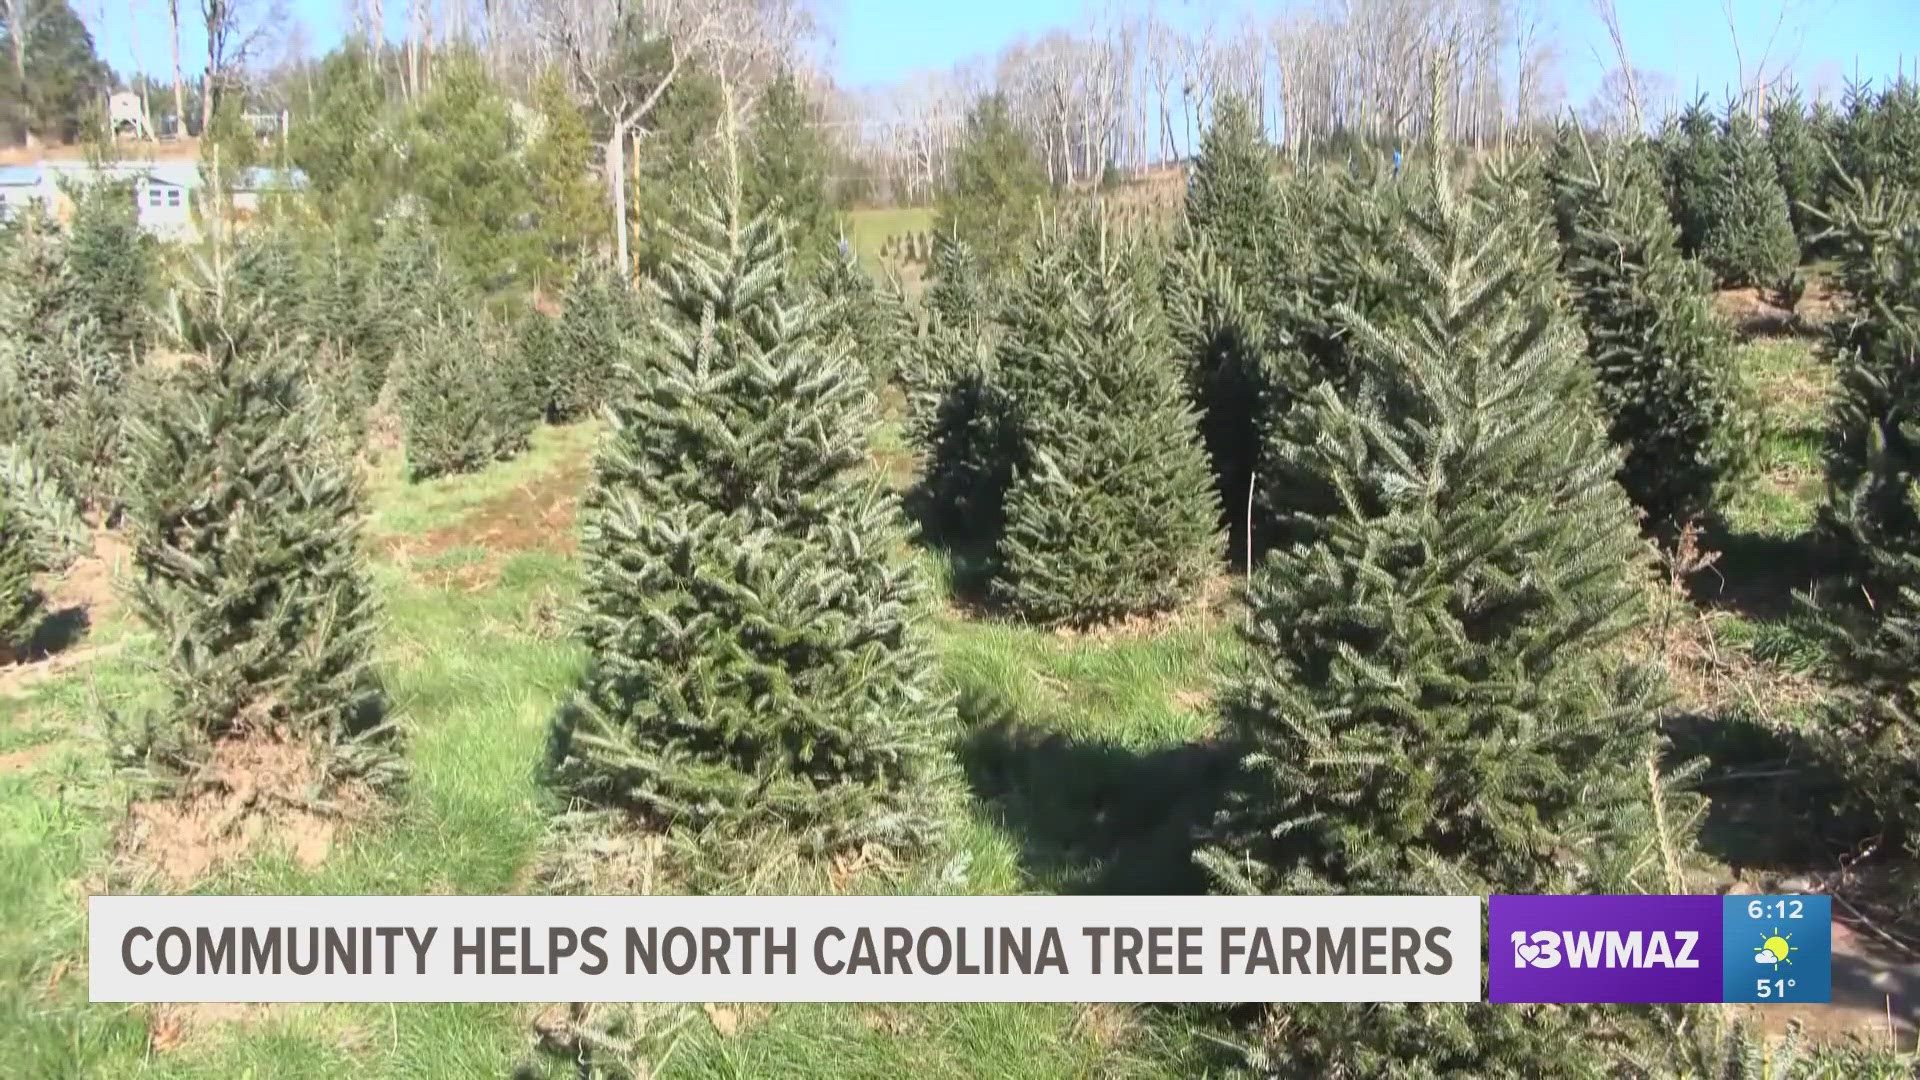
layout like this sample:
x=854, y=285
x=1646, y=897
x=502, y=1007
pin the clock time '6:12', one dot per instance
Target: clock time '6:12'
x=1779, y=909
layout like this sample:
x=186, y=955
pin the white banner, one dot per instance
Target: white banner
x=784, y=948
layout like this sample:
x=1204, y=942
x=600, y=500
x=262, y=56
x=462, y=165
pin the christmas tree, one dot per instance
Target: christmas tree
x=596, y=318
x=758, y=660
x=859, y=317
x=1662, y=357
x=1872, y=514
x=1221, y=271
x=245, y=533
x=465, y=400
x=1431, y=700
x=1749, y=238
x=110, y=259
x=1110, y=512
x=1798, y=159
x=956, y=418
x=20, y=601
x=1695, y=167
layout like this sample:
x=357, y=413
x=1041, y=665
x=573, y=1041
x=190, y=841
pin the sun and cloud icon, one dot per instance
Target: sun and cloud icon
x=1774, y=950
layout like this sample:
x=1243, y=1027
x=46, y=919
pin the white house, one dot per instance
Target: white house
x=165, y=193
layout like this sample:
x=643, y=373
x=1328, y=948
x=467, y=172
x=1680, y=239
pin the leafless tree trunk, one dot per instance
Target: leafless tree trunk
x=21, y=18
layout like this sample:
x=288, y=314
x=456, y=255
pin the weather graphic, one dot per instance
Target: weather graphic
x=1778, y=948
x=1773, y=951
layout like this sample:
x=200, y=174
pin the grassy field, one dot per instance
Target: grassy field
x=1087, y=756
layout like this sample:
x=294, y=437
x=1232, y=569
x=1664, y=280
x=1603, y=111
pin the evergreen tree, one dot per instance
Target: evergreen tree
x=567, y=204
x=1696, y=168
x=1222, y=263
x=110, y=259
x=862, y=320
x=464, y=398
x=20, y=601
x=997, y=182
x=1797, y=161
x=757, y=656
x=1749, y=238
x=59, y=98
x=1872, y=513
x=1109, y=513
x=598, y=315
x=406, y=287
x=464, y=163
x=789, y=166
x=245, y=534
x=1662, y=357
x=1430, y=702
x=345, y=144
x=956, y=416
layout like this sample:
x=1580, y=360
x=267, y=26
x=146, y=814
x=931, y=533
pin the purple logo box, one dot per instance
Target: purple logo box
x=1604, y=948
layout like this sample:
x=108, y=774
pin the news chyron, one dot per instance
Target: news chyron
x=956, y=948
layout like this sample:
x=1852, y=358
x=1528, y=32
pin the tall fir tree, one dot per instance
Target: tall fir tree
x=1220, y=273
x=1662, y=358
x=789, y=167
x=1872, y=514
x=1797, y=160
x=1430, y=700
x=758, y=658
x=956, y=418
x=1749, y=238
x=1695, y=165
x=245, y=534
x=1109, y=513
x=111, y=260
x=998, y=184
x=570, y=218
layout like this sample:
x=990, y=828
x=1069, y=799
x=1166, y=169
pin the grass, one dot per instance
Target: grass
x=868, y=229
x=475, y=675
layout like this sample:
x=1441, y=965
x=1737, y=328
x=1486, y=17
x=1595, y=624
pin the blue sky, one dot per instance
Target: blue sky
x=878, y=41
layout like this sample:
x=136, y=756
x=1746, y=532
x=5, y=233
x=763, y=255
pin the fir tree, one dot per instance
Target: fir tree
x=1109, y=513
x=1662, y=357
x=464, y=400
x=1222, y=267
x=596, y=317
x=110, y=259
x=1797, y=161
x=861, y=319
x=757, y=656
x=789, y=165
x=406, y=287
x=956, y=416
x=1695, y=168
x=1749, y=238
x=566, y=202
x=1872, y=513
x=998, y=181
x=20, y=601
x=1430, y=701
x=245, y=533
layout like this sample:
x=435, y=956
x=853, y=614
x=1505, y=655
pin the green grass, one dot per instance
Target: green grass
x=475, y=676
x=868, y=229
x=1791, y=386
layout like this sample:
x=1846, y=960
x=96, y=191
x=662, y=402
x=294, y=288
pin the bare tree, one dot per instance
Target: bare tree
x=21, y=18
x=236, y=31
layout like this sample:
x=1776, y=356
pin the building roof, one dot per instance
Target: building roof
x=183, y=174
x=20, y=175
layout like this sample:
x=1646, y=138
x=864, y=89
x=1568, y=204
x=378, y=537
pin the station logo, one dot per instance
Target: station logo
x=1606, y=948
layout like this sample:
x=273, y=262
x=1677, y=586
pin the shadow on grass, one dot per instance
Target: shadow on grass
x=1777, y=802
x=58, y=631
x=1093, y=816
x=1757, y=574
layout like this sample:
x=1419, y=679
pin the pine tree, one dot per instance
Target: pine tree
x=1749, y=238
x=757, y=657
x=789, y=164
x=1797, y=161
x=956, y=416
x=1662, y=358
x=464, y=400
x=245, y=534
x=862, y=320
x=567, y=205
x=407, y=285
x=998, y=181
x=1872, y=513
x=1109, y=513
x=20, y=601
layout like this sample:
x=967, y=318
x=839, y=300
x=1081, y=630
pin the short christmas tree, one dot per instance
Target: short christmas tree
x=1663, y=359
x=1872, y=514
x=1749, y=238
x=20, y=601
x=1110, y=512
x=245, y=533
x=858, y=315
x=464, y=398
x=110, y=259
x=597, y=316
x=1798, y=159
x=757, y=657
x=1695, y=167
